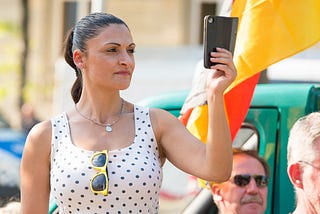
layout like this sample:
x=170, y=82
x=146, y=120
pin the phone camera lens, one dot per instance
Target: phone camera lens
x=210, y=20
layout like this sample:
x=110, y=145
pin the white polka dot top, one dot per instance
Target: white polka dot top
x=135, y=172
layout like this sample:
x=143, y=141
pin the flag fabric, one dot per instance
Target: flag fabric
x=271, y=30
x=268, y=31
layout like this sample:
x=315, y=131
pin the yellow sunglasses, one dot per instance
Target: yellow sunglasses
x=100, y=182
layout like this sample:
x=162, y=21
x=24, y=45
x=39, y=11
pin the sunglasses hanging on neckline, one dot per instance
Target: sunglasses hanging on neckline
x=100, y=182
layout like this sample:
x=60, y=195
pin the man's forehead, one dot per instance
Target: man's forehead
x=245, y=164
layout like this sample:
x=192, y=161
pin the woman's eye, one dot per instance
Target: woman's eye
x=111, y=50
x=131, y=50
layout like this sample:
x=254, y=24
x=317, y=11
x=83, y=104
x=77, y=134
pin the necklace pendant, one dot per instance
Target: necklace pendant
x=108, y=128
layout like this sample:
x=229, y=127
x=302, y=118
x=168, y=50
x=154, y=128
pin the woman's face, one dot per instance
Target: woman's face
x=109, y=60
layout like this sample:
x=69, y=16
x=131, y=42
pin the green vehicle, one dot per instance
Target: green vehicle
x=273, y=110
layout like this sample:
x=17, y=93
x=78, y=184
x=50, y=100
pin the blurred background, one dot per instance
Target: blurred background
x=168, y=34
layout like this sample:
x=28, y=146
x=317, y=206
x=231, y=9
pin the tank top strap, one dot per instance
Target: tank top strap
x=60, y=131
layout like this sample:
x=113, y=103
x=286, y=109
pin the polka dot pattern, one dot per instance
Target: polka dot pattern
x=135, y=173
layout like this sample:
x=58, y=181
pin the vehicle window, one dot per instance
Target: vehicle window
x=247, y=138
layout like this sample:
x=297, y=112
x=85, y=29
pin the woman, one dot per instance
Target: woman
x=106, y=154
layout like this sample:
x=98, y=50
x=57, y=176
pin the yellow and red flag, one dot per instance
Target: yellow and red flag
x=268, y=31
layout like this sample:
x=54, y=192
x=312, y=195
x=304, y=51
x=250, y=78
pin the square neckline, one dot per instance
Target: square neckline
x=67, y=128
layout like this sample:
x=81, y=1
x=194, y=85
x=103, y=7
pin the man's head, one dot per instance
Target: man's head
x=246, y=191
x=304, y=161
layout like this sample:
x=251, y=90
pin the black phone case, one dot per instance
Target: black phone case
x=219, y=31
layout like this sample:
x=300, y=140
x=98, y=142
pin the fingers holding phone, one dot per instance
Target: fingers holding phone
x=219, y=38
x=220, y=56
x=223, y=71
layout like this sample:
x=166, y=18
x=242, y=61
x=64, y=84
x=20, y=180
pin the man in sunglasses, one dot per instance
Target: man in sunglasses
x=247, y=189
x=304, y=163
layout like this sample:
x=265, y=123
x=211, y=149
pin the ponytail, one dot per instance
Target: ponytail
x=68, y=56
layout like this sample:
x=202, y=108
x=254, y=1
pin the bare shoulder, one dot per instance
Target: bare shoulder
x=162, y=112
x=39, y=137
x=162, y=120
x=158, y=114
x=35, y=169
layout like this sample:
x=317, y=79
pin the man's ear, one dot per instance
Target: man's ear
x=295, y=175
x=78, y=58
x=215, y=189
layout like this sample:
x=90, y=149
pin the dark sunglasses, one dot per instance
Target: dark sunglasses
x=244, y=180
x=100, y=182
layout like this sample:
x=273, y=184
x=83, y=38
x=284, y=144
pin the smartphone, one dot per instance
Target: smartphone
x=219, y=31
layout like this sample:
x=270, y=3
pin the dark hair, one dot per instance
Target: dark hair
x=87, y=28
x=254, y=154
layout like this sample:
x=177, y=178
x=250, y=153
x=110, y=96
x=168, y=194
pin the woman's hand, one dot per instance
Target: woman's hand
x=223, y=73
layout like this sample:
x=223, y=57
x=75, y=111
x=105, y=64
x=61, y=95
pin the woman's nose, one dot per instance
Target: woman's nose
x=125, y=58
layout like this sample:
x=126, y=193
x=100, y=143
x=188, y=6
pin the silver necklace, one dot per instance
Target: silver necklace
x=108, y=126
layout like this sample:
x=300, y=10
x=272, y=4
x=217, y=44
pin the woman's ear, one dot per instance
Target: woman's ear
x=295, y=175
x=78, y=59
